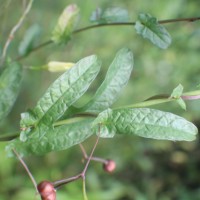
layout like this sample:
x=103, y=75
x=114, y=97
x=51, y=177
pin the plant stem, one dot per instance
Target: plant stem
x=193, y=97
x=158, y=99
x=59, y=183
x=84, y=190
x=97, y=159
x=192, y=19
x=69, y=121
x=91, y=154
x=26, y=168
x=77, y=118
x=167, y=21
x=13, y=31
x=35, y=49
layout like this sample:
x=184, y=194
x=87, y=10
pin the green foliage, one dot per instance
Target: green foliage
x=177, y=92
x=29, y=39
x=65, y=25
x=69, y=87
x=55, y=139
x=145, y=122
x=10, y=84
x=116, y=78
x=149, y=28
x=37, y=124
x=110, y=15
x=40, y=135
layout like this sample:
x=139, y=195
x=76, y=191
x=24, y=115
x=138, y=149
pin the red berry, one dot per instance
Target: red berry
x=109, y=166
x=46, y=190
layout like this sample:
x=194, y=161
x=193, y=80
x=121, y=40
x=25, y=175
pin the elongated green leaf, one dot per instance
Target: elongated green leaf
x=147, y=123
x=149, y=28
x=177, y=92
x=55, y=139
x=10, y=82
x=181, y=103
x=29, y=40
x=65, y=25
x=116, y=78
x=110, y=15
x=62, y=93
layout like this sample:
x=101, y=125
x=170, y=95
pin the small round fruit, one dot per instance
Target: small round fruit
x=46, y=190
x=109, y=166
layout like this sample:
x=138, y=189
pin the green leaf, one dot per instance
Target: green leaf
x=148, y=123
x=116, y=78
x=10, y=83
x=65, y=25
x=177, y=92
x=55, y=139
x=181, y=103
x=110, y=15
x=29, y=40
x=148, y=27
x=69, y=87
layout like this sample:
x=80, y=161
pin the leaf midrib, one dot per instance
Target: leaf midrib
x=41, y=119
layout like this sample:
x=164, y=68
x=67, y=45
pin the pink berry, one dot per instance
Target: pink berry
x=109, y=166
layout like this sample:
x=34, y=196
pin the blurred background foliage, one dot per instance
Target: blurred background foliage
x=146, y=169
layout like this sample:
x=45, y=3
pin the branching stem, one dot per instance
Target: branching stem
x=97, y=159
x=191, y=19
x=59, y=183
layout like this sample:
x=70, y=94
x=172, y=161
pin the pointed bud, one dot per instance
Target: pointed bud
x=55, y=66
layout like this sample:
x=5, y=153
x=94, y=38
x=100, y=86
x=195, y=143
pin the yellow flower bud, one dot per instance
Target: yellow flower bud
x=55, y=66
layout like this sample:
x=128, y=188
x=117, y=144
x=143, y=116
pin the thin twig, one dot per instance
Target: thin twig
x=83, y=151
x=97, y=159
x=14, y=29
x=59, y=183
x=26, y=168
x=84, y=190
x=192, y=97
x=191, y=19
x=34, y=49
x=91, y=154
